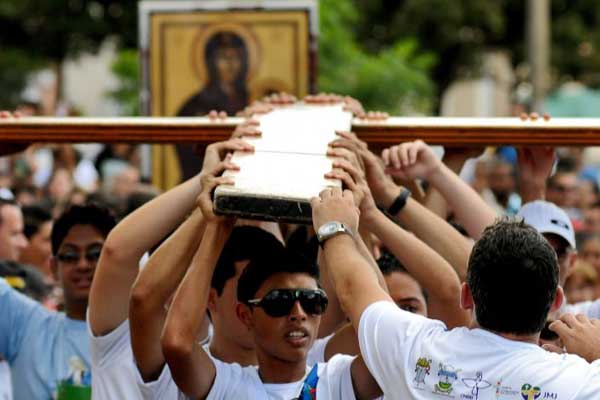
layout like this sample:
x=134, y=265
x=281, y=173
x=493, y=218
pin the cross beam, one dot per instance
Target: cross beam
x=201, y=130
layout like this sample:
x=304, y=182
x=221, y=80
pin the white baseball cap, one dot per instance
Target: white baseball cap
x=547, y=217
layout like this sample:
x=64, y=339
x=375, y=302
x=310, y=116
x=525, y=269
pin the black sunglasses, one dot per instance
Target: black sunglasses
x=71, y=257
x=279, y=302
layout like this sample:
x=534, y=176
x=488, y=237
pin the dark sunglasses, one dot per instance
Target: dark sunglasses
x=279, y=302
x=71, y=257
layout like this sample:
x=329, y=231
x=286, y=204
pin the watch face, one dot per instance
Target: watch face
x=329, y=228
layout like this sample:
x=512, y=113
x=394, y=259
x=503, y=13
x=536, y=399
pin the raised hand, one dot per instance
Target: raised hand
x=384, y=190
x=248, y=128
x=579, y=334
x=334, y=205
x=411, y=160
x=215, y=115
x=216, y=152
x=209, y=180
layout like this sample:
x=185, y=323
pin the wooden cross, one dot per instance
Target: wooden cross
x=433, y=130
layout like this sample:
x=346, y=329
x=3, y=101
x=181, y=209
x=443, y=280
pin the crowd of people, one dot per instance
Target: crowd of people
x=474, y=275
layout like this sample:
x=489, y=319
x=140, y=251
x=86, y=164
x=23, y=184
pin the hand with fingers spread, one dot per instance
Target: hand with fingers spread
x=216, y=152
x=249, y=128
x=257, y=107
x=354, y=106
x=215, y=115
x=374, y=116
x=333, y=204
x=411, y=160
x=579, y=334
x=353, y=178
x=280, y=99
x=209, y=181
x=383, y=188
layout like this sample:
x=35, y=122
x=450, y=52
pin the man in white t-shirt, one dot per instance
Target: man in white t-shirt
x=512, y=284
x=279, y=304
x=555, y=225
x=113, y=369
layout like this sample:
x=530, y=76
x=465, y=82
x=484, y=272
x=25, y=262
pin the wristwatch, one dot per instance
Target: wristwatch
x=331, y=229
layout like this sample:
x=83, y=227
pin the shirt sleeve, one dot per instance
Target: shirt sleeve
x=16, y=311
x=162, y=388
x=335, y=378
x=386, y=334
x=316, y=354
x=228, y=378
x=105, y=349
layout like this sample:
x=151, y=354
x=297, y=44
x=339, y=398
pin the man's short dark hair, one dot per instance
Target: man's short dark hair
x=513, y=277
x=245, y=243
x=34, y=217
x=94, y=215
x=268, y=264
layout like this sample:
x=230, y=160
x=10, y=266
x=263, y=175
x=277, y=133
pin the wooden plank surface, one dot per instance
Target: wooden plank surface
x=434, y=130
x=287, y=168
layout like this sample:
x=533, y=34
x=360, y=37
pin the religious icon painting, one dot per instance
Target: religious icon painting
x=199, y=56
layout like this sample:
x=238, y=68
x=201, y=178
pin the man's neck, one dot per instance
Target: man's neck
x=76, y=310
x=533, y=338
x=230, y=352
x=273, y=370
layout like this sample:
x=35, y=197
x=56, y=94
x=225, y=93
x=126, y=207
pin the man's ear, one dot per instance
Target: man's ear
x=466, y=298
x=54, y=268
x=244, y=313
x=558, y=299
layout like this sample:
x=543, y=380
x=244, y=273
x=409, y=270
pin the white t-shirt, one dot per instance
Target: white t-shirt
x=5, y=382
x=113, y=368
x=165, y=388
x=412, y=357
x=591, y=309
x=243, y=383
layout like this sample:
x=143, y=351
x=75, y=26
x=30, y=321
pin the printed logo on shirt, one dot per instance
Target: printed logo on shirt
x=529, y=392
x=503, y=391
x=77, y=386
x=422, y=369
x=476, y=385
x=448, y=375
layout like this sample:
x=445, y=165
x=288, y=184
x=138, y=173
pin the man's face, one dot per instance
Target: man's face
x=75, y=262
x=12, y=239
x=590, y=252
x=501, y=179
x=39, y=250
x=290, y=337
x=591, y=220
x=565, y=254
x=223, y=312
x=406, y=292
x=562, y=191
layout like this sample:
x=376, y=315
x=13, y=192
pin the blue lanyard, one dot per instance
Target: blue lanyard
x=309, y=387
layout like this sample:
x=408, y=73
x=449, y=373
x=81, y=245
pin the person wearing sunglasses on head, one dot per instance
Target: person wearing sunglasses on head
x=48, y=351
x=280, y=304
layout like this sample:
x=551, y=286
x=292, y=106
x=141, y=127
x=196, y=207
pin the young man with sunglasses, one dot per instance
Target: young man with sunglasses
x=49, y=352
x=280, y=304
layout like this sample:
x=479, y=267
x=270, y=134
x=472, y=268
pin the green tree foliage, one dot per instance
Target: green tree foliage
x=458, y=31
x=126, y=68
x=344, y=67
x=55, y=30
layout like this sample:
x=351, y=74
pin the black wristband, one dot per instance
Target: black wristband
x=400, y=202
